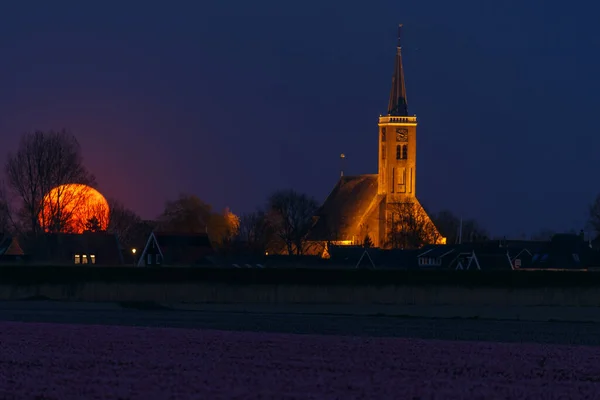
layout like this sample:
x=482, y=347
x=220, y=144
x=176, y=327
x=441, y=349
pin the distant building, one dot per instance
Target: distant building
x=88, y=248
x=173, y=249
x=11, y=251
x=381, y=205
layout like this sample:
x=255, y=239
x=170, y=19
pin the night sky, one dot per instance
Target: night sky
x=231, y=100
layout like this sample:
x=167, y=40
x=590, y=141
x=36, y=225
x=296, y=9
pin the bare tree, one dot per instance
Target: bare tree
x=122, y=221
x=43, y=161
x=290, y=215
x=5, y=214
x=223, y=228
x=187, y=214
x=594, y=215
x=449, y=226
x=411, y=227
x=255, y=233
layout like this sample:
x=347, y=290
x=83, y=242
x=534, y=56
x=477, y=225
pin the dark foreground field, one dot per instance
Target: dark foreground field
x=280, y=320
x=64, y=362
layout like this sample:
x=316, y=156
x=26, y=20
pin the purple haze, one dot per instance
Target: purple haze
x=53, y=361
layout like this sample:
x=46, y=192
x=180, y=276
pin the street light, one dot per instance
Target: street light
x=133, y=251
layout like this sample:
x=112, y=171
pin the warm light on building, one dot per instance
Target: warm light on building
x=343, y=242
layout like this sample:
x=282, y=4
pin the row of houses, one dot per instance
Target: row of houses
x=562, y=252
x=102, y=248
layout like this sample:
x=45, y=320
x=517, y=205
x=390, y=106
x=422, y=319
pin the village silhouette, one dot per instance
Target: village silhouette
x=52, y=213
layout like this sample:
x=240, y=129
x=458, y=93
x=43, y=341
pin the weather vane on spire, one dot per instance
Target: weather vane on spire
x=399, y=34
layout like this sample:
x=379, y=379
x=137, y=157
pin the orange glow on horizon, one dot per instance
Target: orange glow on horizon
x=70, y=208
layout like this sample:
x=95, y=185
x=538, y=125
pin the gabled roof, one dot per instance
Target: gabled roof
x=180, y=248
x=565, y=251
x=435, y=251
x=344, y=208
x=10, y=246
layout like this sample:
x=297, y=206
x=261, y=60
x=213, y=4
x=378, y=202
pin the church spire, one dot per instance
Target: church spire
x=397, y=104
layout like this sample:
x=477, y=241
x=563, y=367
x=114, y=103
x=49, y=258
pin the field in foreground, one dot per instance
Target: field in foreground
x=55, y=361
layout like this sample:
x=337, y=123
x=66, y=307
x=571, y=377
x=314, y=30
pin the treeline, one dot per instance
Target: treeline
x=46, y=160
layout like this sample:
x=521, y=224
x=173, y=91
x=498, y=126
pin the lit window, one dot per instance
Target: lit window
x=93, y=258
x=84, y=259
x=77, y=259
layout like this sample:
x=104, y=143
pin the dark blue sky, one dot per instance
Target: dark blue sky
x=231, y=100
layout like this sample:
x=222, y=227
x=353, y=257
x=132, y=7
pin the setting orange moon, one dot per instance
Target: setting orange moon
x=70, y=208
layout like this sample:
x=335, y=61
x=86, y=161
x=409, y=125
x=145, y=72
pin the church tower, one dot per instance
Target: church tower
x=382, y=207
x=397, y=141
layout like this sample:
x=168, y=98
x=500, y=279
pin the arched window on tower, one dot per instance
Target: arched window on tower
x=398, y=152
x=404, y=152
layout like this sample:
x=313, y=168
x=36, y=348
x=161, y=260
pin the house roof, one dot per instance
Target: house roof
x=10, y=246
x=565, y=251
x=435, y=251
x=52, y=248
x=344, y=208
x=183, y=249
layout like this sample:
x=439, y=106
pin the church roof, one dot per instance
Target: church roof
x=344, y=208
x=398, y=103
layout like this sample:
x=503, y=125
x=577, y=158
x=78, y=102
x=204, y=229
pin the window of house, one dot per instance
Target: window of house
x=430, y=261
x=576, y=257
x=398, y=152
x=149, y=259
x=77, y=259
x=84, y=259
x=158, y=259
x=404, y=152
x=93, y=258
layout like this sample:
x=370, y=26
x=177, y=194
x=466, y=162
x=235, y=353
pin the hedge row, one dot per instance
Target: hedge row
x=31, y=275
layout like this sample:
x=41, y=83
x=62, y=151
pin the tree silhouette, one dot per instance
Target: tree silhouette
x=290, y=214
x=367, y=242
x=93, y=225
x=43, y=161
x=411, y=227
